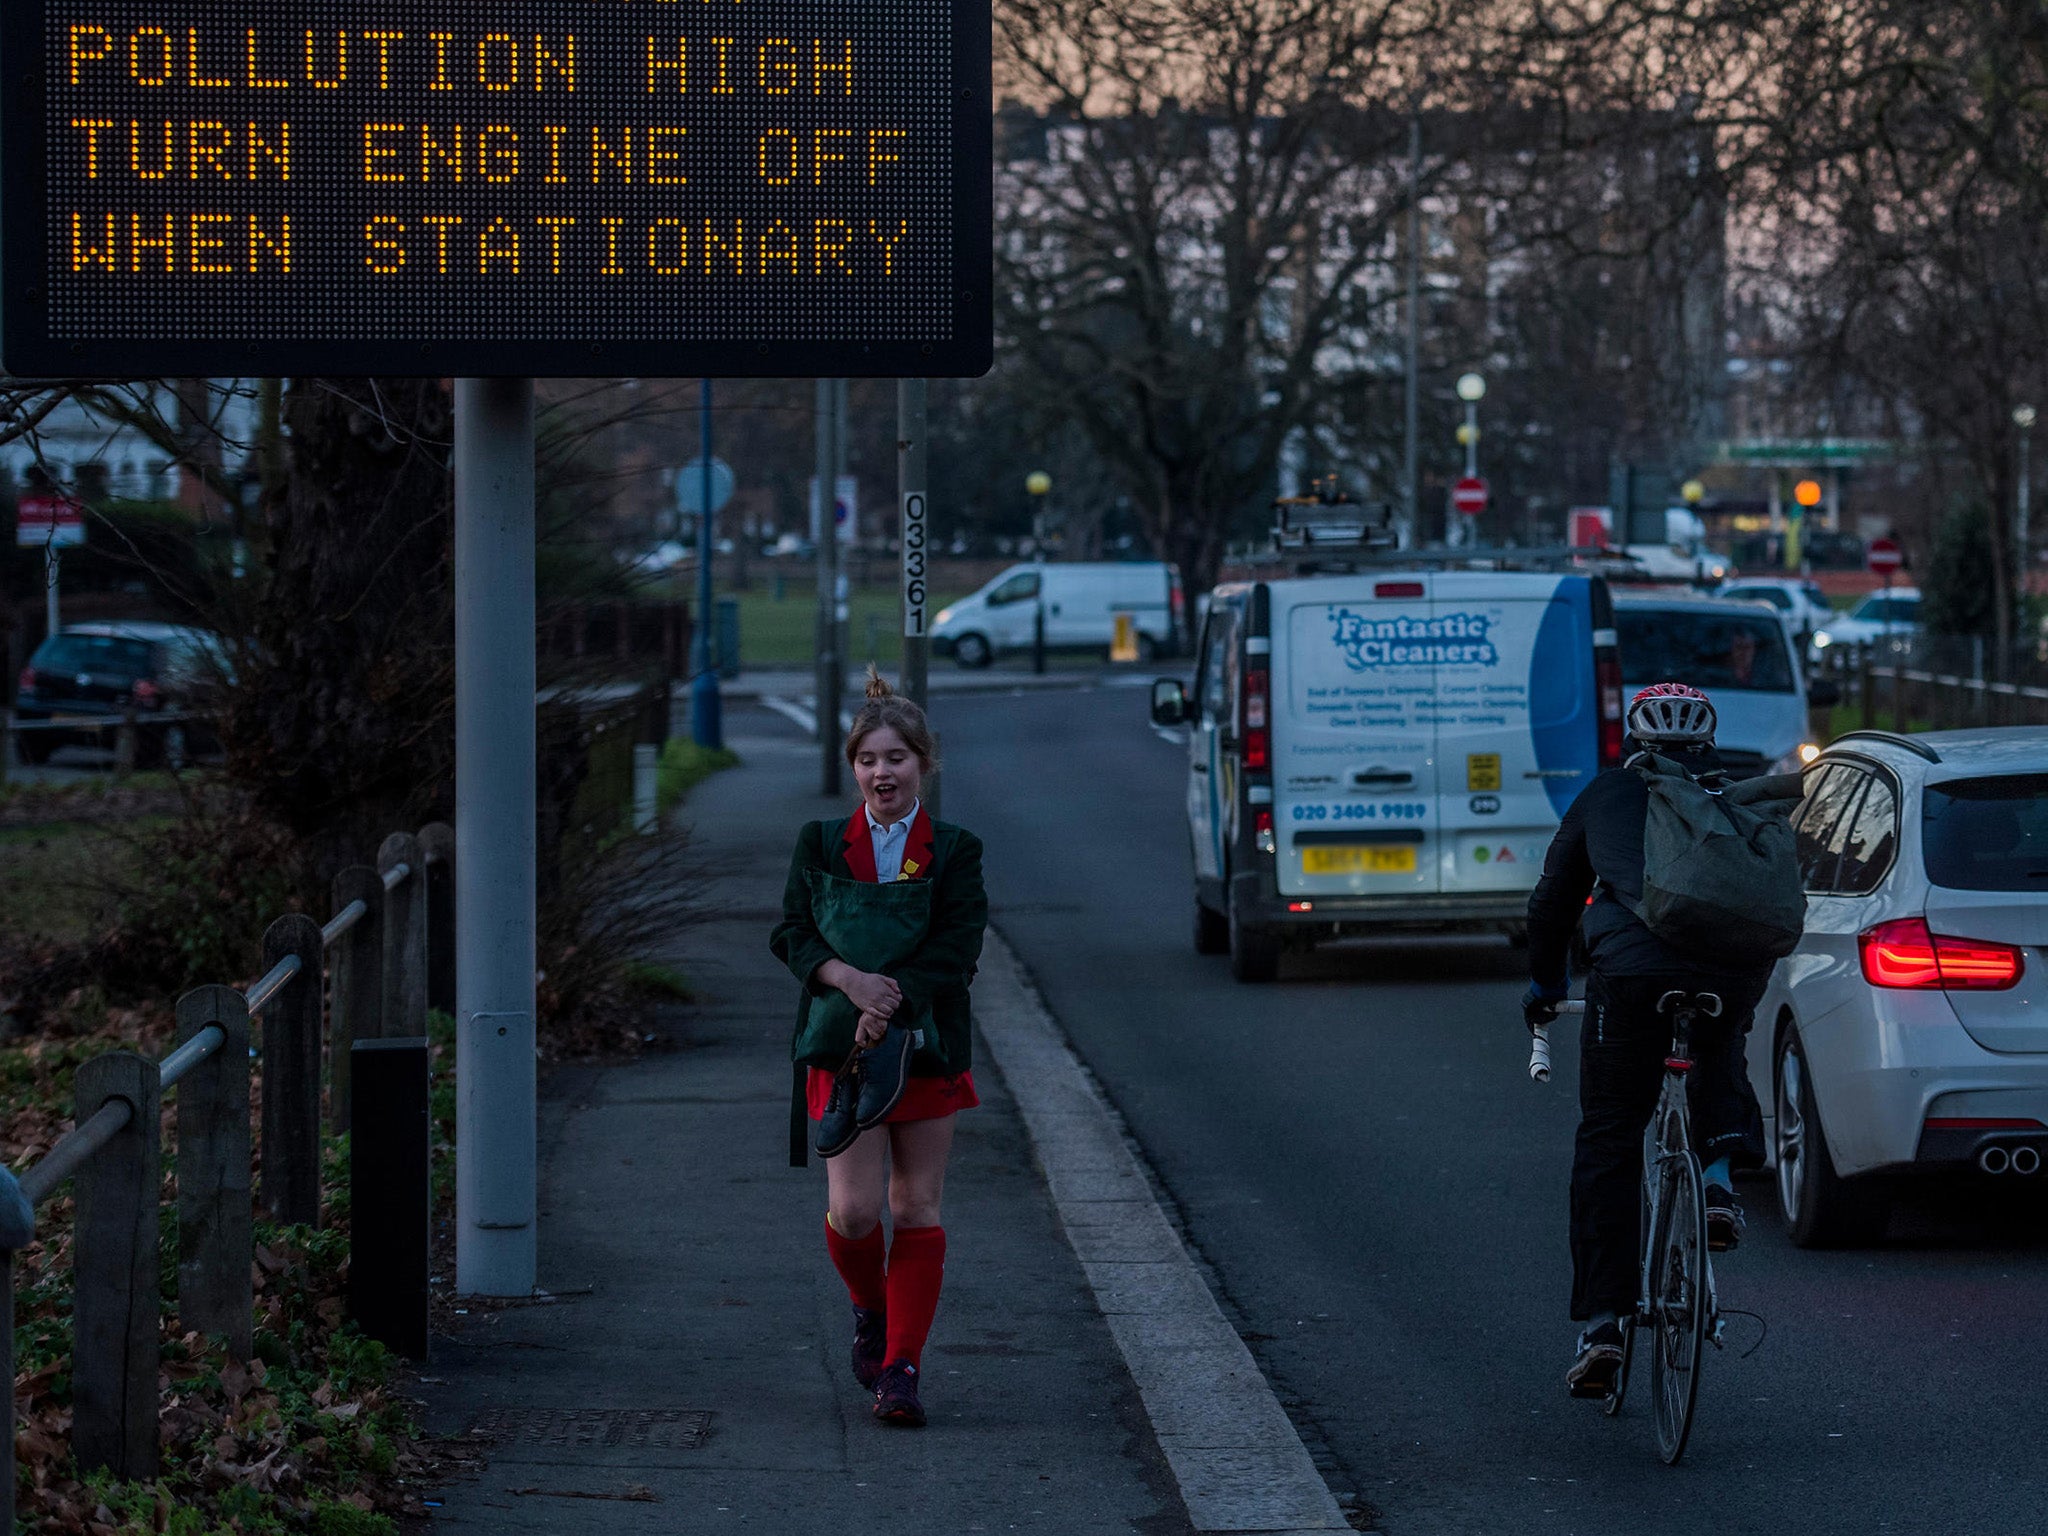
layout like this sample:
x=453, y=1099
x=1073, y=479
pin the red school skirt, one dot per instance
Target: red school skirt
x=924, y=1098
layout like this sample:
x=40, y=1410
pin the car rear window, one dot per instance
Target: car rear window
x=1893, y=610
x=92, y=653
x=1987, y=834
x=1708, y=650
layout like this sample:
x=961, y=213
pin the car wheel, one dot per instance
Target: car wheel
x=1148, y=649
x=1212, y=930
x=973, y=651
x=33, y=748
x=1821, y=1209
x=1254, y=952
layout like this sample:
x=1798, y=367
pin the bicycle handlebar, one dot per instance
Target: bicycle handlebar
x=1539, y=1043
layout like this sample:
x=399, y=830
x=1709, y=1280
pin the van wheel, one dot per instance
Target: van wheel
x=1821, y=1208
x=1212, y=930
x=1148, y=648
x=1254, y=952
x=973, y=651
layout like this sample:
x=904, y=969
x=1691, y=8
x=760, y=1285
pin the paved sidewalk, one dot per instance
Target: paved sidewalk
x=691, y=1266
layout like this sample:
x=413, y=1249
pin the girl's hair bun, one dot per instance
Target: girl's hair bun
x=878, y=686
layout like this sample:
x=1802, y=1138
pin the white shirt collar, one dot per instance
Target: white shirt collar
x=879, y=830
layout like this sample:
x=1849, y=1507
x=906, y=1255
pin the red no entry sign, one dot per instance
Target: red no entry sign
x=45, y=519
x=1885, y=557
x=1468, y=495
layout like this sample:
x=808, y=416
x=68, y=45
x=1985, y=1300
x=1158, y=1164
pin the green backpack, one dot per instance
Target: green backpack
x=1721, y=880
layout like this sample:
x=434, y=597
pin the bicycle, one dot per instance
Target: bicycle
x=1676, y=1300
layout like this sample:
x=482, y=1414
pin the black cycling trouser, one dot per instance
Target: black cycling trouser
x=1622, y=1045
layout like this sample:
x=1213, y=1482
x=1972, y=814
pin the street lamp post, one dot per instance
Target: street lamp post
x=1471, y=390
x=2023, y=418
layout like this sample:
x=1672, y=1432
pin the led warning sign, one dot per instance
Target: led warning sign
x=495, y=186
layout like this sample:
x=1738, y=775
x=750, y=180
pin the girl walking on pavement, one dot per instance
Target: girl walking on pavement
x=882, y=923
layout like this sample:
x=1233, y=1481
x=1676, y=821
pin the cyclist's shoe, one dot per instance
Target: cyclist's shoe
x=1724, y=1219
x=1598, y=1363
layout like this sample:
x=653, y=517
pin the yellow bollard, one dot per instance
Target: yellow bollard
x=1124, y=647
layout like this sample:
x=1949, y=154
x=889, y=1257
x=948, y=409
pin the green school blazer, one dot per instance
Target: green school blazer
x=934, y=977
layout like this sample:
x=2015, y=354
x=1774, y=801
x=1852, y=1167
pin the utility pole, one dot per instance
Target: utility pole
x=826, y=711
x=1412, y=466
x=913, y=401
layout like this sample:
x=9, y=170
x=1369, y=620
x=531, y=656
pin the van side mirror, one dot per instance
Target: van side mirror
x=1823, y=693
x=1169, y=702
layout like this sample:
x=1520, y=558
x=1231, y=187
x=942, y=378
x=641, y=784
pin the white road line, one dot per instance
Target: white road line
x=804, y=719
x=1238, y=1461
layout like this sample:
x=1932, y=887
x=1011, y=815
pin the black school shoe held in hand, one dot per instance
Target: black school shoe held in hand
x=836, y=1128
x=885, y=1073
x=896, y=1397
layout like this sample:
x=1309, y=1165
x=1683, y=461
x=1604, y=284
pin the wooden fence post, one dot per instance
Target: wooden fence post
x=291, y=1075
x=358, y=1009
x=216, y=1242
x=405, y=938
x=390, y=1177
x=116, y=1293
x=437, y=842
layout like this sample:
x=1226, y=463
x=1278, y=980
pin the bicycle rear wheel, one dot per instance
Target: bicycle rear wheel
x=1678, y=1302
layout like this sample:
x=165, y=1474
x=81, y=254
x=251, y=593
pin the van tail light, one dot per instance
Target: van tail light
x=1607, y=678
x=1258, y=737
x=1905, y=953
x=144, y=693
x=1262, y=831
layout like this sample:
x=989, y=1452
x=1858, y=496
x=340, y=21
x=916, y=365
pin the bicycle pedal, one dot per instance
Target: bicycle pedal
x=1720, y=1327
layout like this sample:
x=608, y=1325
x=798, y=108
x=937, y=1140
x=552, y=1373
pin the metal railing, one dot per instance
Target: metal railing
x=392, y=944
x=127, y=728
x=1937, y=682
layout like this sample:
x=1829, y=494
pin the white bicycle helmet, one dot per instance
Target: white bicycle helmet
x=1671, y=715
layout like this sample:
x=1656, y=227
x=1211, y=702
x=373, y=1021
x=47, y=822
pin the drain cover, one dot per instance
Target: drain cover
x=663, y=1429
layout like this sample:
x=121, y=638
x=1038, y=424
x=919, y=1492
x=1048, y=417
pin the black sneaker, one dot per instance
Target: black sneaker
x=896, y=1396
x=885, y=1073
x=1598, y=1363
x=870, y=1338
x=836, y=1128
x=1724, y=1219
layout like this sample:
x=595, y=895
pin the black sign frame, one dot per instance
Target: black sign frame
x=27, y=349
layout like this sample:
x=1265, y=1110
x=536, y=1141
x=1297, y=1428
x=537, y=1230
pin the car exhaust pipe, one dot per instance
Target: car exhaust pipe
x=1994, y=1160
x=2026, y=1161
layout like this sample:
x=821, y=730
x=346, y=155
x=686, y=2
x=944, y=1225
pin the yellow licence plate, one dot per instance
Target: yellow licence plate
x=1383, y=859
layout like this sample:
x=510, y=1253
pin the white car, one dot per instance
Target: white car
x=1802, y=605
x=1909, y=1030
x=1884, y=616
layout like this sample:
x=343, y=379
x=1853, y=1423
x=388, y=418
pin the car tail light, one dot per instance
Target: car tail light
x=1906, y=953
x=26, y=683
x=1262, y=831
x=1607, y=678
x=144, y=693
x=1258, y=739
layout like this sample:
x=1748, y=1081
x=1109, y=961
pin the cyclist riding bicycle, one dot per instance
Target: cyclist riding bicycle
x=1598, y=853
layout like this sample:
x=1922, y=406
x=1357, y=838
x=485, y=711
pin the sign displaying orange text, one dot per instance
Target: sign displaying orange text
x=536, y=187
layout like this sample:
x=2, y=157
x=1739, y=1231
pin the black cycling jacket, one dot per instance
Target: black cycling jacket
x=1598, y=851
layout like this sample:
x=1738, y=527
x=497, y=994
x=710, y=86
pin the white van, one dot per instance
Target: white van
x=1387, y=748
x=1079, y=604
x=1738, y=654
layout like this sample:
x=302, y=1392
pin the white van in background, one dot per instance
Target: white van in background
x=1389, y=748
x=1079, y=601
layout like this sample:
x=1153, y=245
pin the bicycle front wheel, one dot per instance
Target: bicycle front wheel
x=1678, y=1302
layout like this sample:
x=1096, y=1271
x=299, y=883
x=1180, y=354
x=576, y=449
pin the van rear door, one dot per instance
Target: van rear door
x=1517, y=721
x=1354, y=769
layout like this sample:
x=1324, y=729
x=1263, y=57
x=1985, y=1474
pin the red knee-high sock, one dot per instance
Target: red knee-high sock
x=917, y=1268
x=859, y=1262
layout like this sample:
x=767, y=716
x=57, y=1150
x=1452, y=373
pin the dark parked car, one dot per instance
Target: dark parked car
x=94, y=673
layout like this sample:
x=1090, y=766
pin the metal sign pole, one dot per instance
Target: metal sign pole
x=826, y=691
x=707, y=727
x=495, y=838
